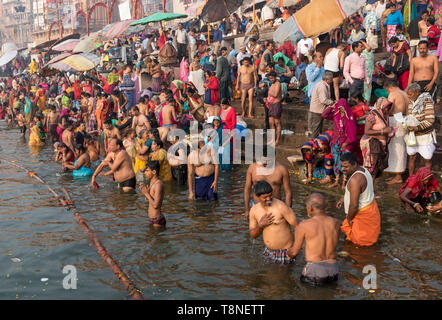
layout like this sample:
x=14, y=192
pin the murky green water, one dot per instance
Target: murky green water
x=204, y=253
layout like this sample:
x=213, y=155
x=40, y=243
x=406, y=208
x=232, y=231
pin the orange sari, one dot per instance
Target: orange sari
x=366, y=226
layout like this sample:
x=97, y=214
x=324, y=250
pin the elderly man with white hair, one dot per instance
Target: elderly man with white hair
x=241, y=55
x=422, y=108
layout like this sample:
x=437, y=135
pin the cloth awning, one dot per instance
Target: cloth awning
x=159, y=16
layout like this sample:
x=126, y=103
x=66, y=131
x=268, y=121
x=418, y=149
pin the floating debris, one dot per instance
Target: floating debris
x=16, y=260
x=44, y=279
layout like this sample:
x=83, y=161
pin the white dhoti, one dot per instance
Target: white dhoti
x=397, y=151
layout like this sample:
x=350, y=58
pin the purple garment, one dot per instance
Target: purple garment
x=344, y=128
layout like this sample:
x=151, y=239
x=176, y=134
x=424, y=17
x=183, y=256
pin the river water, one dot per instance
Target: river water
x=204, y=253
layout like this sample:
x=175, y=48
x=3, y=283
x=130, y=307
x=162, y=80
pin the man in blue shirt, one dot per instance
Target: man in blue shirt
x=394, y=18
x=314, y=72
x=301, y=67
x=217, y=38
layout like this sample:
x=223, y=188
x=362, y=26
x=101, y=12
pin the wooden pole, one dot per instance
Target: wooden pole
x=208, y=34
x=59, y=24
x=134, y=292
x=253, y=11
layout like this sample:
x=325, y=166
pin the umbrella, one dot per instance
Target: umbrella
x=216, y=10
x=60, y=66
x=133, y=29
x=115, y=29
x=58, y=58
x=317, y=17
x=159, y=16
x=67, y=45
x=87, y=45
x=9, y=53
x=76, y=62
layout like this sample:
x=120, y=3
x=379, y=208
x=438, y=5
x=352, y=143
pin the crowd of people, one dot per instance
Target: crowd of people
x=109, y=126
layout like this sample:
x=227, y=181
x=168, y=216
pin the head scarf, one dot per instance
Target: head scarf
x=348, y=122
x=414, y=183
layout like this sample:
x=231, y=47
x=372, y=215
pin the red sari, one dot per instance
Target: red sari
x=162, y=40
x=213, y=84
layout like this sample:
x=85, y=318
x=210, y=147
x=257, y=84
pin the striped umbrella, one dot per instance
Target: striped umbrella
x=116, y=29
x=67, y=45
x=76, y=62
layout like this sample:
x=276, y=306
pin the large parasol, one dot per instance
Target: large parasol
x=9, y=52
x=113, y=30
x=67, y=45
x=315, y=18
x=158, y=17
x=74, y=62
x=216, y=10
x=88, y=44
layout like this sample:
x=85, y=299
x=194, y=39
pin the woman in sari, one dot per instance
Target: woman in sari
x=344, y=133
x=375, y=140
x=417, y=191
x=228, y=117
x=223, y=145
x=142, y=151
x=369, y=66
x=195, y=104
x=156, y=77
x=159, y=154
x=184, y=70
x=212, y=89
x=401, y=61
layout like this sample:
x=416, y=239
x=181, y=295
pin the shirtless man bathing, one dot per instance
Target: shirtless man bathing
x=247, y=80
x=203, y=173
x=110, y=132
x=397, y=159
x=139, y=121
x=273, y=219
x=120, y=164
x=154, y=193
x=169, y=118
x=424, y=69
x=320, y=234
x=277, y=177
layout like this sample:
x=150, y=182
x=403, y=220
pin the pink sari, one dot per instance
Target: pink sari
x=184, y=70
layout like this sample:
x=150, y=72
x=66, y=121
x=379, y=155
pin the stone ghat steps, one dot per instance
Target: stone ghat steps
x=295, y=118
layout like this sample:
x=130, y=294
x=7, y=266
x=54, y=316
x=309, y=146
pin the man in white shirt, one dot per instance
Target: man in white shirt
x=181, y=41
x=192, y=45
x=304, y=46
x=380, y=8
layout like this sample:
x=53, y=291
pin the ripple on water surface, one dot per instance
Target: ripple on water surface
x=205, y=252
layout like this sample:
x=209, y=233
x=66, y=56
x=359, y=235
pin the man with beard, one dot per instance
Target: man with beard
x=273, y=219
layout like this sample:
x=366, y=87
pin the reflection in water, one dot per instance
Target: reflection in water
x=204, y=252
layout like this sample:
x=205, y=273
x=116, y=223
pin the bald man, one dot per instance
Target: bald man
x=321, y=234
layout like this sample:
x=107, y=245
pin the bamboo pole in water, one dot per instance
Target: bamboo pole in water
x=67, y=202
